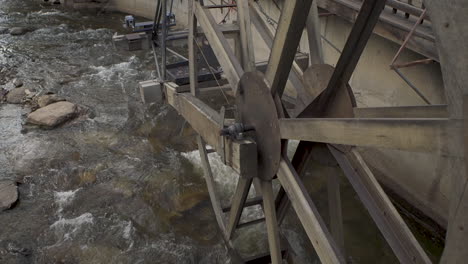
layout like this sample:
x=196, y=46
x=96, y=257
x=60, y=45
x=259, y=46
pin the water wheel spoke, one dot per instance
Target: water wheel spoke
x=210, y=183
x=237, y=204
x=313, y=224
x=221, y=48
x=403, y=134
x=352, y=51
x=271, y=222
x=388, y=220
x=288, y=34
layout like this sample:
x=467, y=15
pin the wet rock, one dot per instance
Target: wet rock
x=17, y=82
x=8, y=194
x=16, y=31
x=45, y=100
x=53, y=114
x=3, y=30
x=16, y=95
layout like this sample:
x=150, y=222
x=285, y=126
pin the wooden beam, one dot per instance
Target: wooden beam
x=423, y=111
x=352, y=51
x=210, y=184
x=404, y=134
x=245, y=27
x=313, y=224
x=271, y=222
x=314, y=35
x=288, y=35
x=334, y=208
x=295, y=75
x=388, y=220
x=219, y=44
x=237, y=204
x=240, y=155
x=193, y=50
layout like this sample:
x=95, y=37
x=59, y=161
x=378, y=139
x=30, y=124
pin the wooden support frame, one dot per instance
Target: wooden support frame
x=231, y=66
x=313, y=224
x=292, y=22
x=388, y=220
x=403, y=134
x=240, y=155
x=424, y=111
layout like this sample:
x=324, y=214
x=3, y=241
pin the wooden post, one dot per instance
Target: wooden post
x=193, y=50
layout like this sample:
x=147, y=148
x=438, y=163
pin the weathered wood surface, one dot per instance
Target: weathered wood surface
x=424, y=111
x=288, y=34
x=210, y=184
x=240, y=155
x=228, y=61
x=193, y=50
x=388, y=220
x=237, y=204
x=352, y=51
x=248, y=56
x=271, y=222
x=313, y=224
x=404, y=134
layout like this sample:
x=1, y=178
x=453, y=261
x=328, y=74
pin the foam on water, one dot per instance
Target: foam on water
x=63, y=199
x=66, y=228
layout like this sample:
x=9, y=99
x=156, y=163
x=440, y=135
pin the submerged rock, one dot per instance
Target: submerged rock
x=8, y=194
x=16, y=95
x=45, y=100
x=17, y=82
x=16, y=31
x=53, y=114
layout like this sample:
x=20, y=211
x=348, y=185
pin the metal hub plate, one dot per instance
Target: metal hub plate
x=256, y=108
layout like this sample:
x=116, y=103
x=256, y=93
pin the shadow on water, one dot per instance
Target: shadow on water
x=124, y=186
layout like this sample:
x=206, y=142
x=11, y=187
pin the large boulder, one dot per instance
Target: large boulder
x=45, y=100
x=8, y=194
x=53, y=114
x=16, y=95
x=16, y=31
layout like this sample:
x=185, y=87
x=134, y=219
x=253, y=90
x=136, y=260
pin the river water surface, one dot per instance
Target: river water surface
x=123, y=185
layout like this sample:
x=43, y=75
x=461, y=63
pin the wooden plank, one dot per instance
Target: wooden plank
x=231, y=66
x=388, y=220
x=288, y=35
x=271, y=223
x=404, y=134
x=423, y=111
x=200, y=89
x=313, y=224
x=210, y=184
x=237, y=204
x=193, y=50
x=352, y=51
x=248, y=56
x=250, y=223
x=240, y=155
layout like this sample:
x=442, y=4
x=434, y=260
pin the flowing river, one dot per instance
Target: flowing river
x=124, y=184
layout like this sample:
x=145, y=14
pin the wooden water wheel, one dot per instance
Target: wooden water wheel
x=254, y=144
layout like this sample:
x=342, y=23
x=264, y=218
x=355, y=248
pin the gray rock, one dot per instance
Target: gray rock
x=16, y=31
x=53, y=114
x=8, y=194
x=4, y=30
x=45, y=100
x=17, y=82
x=16, y=95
